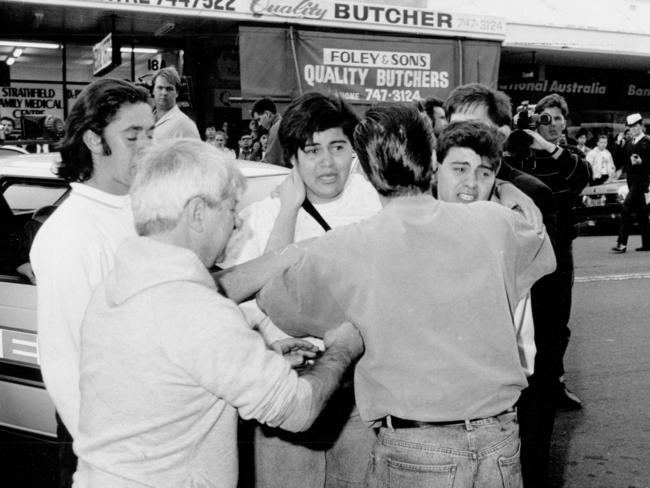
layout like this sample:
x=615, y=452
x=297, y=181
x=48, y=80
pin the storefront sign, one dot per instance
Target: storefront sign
x=426, y=18
x=586, y=89
x=106, y=55
x=399, y=70
x=360, y=68
x=35, y=99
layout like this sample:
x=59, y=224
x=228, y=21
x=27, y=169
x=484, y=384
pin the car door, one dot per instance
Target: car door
x=24, y=402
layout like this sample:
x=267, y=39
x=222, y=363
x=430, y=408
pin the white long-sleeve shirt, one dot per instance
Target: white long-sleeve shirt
x=72, y=252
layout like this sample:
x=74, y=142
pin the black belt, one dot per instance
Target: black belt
x=398, y=423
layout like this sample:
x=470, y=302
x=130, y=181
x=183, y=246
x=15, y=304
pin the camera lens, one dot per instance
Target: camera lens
x=544, y=119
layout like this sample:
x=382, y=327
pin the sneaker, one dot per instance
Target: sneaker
x=566, y=399
x=619, y=249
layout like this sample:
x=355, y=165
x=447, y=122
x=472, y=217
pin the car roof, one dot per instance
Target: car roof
x=42, y=165
x=9, y=151
x=35, y=165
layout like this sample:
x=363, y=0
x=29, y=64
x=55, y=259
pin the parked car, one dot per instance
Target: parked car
x=599, y=207
x=10, y=151
x=27, y=187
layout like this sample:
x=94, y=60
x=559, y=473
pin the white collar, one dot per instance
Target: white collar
x=92, y=193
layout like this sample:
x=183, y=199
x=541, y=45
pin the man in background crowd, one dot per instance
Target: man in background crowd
x=564, y=169
x=7, y=126
x=601, y=161
x=265, y=113
x=246, y=151
x=637, y=170
x=218, y=138
x=435, y=110
x=581, y=139
x=171, y=122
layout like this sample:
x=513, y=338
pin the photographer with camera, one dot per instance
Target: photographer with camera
x=534, y=148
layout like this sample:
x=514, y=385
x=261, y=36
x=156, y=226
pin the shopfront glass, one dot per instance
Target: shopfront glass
x=44, y=79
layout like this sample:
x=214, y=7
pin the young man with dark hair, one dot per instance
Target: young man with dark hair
x=469, y=155
x=171, y=122
x=107, y=130
x=434, y=107
x=426, y=283
x=322, y=191
x=538, y=403
x=265, y=113
x=581, y=140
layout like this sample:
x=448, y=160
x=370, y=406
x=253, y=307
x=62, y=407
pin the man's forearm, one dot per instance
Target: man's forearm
x=325, y=377
x=283, y=231
x=244, y=280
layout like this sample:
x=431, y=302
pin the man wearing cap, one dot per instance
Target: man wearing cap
x=637, y=169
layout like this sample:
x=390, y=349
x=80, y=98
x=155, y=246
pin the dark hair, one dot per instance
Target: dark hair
x=310, y=113
x=262, y=105
x=170, y=74
x=499, y=108
x=582, y=132
x=550, y=101
x=94, y=110
x=394, y=144
x=476, y=135
x=427, y=106
x=6, y=117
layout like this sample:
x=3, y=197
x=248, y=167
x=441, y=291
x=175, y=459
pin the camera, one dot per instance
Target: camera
x=519, y=142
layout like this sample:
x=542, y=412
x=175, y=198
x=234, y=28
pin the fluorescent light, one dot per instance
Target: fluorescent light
x=10, y=61
x=18, y=52
x=41, y=45
x=164, y=29
x=140, y=50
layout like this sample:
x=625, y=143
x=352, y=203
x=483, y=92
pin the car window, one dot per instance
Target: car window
x=20, y=199
x=27, y=197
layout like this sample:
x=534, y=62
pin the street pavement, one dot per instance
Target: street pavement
x=607, y=443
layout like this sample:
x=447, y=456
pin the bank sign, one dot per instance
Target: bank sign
x=421, y=16
x=604, y=90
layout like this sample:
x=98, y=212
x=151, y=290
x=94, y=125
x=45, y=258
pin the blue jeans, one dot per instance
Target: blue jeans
x=480, y=453
x=333, y=453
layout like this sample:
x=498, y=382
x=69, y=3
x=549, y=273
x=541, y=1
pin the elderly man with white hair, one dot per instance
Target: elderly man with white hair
x=167, y=362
